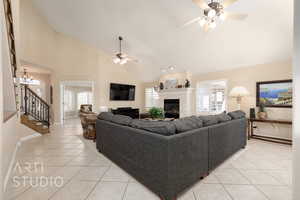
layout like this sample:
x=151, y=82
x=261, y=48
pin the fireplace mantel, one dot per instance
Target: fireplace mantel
x=185, y=96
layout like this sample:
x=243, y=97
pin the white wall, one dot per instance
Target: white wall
x=1, y=116
x=71, y=60
x=296, y=108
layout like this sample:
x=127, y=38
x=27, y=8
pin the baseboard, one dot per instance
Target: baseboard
x=11, y=164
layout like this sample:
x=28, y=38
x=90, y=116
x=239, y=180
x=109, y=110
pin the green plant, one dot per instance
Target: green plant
x=156, y=113
x=262, y=107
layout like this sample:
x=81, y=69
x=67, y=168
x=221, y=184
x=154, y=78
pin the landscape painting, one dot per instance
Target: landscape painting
x=275, y=93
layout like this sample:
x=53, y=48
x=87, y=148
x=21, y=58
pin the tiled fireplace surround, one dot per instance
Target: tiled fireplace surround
x=184, y=95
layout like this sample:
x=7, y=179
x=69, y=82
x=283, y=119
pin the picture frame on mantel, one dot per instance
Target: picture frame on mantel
x=275, y=94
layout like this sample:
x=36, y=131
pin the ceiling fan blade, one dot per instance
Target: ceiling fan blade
x=236, y=16
x=201, y=3
x=227, y=3
x=192, y=21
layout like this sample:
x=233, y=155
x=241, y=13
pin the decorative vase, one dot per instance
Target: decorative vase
x=161, y=86
x=262, y=115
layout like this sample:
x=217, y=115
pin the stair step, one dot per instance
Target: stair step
x=35, y=125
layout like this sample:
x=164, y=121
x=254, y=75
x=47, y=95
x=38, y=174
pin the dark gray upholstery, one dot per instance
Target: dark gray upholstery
x=237, y=114
x=122, y=119
x=223, y=117
x=187, y=124
x=225, y=139
x=106, y=116
x=160, y=127
x=209, y=120
x=168, y=165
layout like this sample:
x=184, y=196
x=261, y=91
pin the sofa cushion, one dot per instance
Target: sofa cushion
x=223, y=117
x=237, y=114
x=121, y=119
x=160, y=127
x=107, y=116
x=187, y=124
x=209, y=120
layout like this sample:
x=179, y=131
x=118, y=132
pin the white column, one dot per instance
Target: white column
x=296, y=107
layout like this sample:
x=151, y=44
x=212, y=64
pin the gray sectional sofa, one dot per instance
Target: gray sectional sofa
x=168, y=157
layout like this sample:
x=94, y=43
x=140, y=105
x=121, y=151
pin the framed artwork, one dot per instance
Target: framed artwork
x=275, y=93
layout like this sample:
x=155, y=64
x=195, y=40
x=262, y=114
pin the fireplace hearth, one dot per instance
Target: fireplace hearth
x=172, y=108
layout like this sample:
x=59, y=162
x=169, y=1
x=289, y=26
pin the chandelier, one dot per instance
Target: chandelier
x=26, y=78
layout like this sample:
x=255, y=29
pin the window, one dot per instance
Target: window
x=211, y=97
x=68, y=100
x=84, y=98
x=151, y=98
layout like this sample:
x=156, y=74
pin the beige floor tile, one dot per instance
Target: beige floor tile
x=108, y=191
x=116, y=174
x=187, y=196
x=284, y=177
x=75, y=190
x=230, y=176
x=276, y=192
x=210, y=179
x=136, y=191
x=245, y=192
x=91, y=173
x=259, y=177
x=67, y=172
x=210, y=192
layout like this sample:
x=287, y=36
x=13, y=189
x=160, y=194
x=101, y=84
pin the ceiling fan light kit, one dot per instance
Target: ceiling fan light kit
x=214, y=12
x=121, y=58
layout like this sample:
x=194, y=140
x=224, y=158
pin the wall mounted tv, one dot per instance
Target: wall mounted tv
x=122, y=92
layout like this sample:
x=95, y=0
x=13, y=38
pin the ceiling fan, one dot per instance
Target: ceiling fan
x=214, y=12
x=121, y=58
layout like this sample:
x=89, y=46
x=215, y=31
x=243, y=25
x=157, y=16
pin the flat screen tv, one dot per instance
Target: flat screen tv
x=122, y=92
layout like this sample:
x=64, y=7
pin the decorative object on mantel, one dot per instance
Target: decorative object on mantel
x=187, y=83
x=156, y=113
x=179, y=86
x=275, y=93
x=262, y=114
x=171, y=83
x=239, y=92
x=161, y=86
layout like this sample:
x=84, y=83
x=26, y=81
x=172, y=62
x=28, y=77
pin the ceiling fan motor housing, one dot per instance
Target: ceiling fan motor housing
x=215, y=6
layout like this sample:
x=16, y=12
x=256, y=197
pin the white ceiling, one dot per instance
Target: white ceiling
x=153, y=32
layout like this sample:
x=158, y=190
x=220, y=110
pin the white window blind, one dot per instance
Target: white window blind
x=211, y=97
x=151, y=98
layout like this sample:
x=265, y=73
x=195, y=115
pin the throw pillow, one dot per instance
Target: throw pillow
x=187, y=124
x=107, y=116
x=121, y=119
x=237, y=114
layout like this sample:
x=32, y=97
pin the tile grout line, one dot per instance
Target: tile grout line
x=97, y=183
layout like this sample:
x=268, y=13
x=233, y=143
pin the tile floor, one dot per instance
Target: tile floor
x=262, y=171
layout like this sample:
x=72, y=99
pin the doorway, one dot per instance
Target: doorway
x=74, y=94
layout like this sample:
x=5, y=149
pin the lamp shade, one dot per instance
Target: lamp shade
x=238, y=91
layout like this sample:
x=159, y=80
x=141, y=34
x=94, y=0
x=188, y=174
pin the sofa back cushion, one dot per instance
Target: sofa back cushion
x=187, y=124
x=209, y=120
x=223, y=117
x=160, y=127
x=107, y=116
x=122, y=120
x=237, y=114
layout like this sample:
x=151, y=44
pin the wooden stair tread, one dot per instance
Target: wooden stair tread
x=40, y=128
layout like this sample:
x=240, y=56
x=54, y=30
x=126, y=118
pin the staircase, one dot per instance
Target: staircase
x=34, y=111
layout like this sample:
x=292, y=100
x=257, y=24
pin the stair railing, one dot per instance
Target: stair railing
x=34, y=106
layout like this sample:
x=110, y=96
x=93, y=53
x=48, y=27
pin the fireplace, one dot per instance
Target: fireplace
x=171, y=108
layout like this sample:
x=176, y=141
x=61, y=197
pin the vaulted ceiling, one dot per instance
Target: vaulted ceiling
x=153, y=32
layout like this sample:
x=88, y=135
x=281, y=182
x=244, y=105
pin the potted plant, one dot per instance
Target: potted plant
x=262, y=114
x=156, y=113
